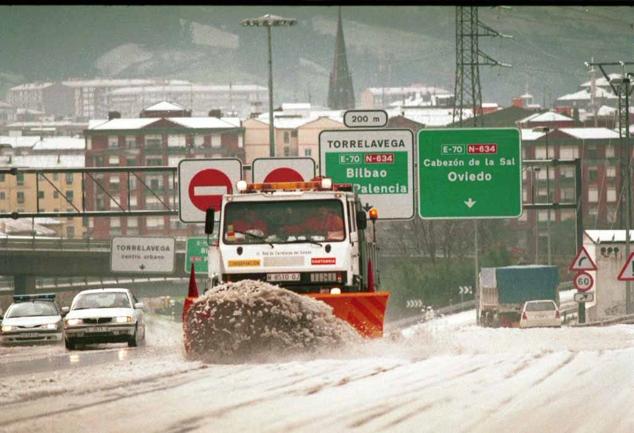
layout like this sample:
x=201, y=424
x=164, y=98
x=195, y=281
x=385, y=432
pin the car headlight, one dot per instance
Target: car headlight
x=123, y=319
x=7, y=328
x=52, y=326
x=73, y=322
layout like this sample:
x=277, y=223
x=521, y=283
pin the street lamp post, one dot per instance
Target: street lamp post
x=269, y=21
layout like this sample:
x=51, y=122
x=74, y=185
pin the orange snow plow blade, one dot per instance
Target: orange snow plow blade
x=365, y=311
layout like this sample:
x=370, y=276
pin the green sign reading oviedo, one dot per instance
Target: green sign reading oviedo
x=378, y=162
x=470, y=173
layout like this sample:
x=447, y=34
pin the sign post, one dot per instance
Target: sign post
x=377, y=162
x=202, y=183
x=143, y=255
x=470, y=173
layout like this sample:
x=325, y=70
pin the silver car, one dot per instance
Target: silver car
x=32, y=319
x=104, y=316
x=540, y=313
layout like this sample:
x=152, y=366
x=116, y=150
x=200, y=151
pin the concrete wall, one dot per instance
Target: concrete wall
x=609, y=292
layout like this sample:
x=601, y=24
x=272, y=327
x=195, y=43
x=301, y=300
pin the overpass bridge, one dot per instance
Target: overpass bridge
x=26, y=260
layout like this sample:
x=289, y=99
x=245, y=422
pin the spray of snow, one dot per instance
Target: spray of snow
x=255, y=321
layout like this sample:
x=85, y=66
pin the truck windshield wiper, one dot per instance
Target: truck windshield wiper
x=299, y=241
x=258, y=237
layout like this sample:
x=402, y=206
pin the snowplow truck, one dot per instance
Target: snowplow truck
x=307, y=237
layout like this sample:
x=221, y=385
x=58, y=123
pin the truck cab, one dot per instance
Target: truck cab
x=307, y=237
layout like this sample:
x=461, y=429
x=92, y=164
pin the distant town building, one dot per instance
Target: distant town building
x=7, y=113
x=340, y=90
x=94, y=98
x=297, y=128
x=236, y=100
x=416, y=95
x=152, y=140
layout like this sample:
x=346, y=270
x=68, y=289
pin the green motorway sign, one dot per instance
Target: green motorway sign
x=377, y=162
x=196, y=254
x=470, y=173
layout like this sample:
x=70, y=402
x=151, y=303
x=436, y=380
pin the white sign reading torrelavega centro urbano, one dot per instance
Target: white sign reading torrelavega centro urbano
x=144, y=255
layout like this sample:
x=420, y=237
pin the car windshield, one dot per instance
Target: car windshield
x=540, y=306
x=101, y=300
x=283, y=222
x=32, y=309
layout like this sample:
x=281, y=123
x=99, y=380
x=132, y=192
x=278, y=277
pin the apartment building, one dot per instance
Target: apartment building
x=152, y=141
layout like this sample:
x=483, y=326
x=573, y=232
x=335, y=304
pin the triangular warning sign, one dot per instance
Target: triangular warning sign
x=583, y=262
x=627, y=273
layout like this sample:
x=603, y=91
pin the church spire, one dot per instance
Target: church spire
x=340, y=91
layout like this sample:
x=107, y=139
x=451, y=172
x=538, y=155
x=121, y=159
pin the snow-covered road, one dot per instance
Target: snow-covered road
x=446, y=375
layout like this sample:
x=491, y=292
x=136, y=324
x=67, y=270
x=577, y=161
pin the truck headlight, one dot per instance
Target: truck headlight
x=123, y=319
x=7, y=328
x=73, y=322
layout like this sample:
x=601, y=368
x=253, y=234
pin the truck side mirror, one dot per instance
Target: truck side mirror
x=362, y=220
x=209, y=221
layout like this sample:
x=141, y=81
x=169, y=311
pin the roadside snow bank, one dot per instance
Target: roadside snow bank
x=256, y=321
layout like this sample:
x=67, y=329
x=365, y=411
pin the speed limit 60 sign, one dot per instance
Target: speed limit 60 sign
x=583, y=281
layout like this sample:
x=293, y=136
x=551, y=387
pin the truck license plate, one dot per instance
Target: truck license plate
x=294, y=276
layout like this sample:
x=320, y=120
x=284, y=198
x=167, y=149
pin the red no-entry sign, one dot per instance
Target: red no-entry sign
x=207, y=187
x=283, y=169
x=202, y=183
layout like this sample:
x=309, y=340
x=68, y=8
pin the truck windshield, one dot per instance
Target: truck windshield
x=283, y=222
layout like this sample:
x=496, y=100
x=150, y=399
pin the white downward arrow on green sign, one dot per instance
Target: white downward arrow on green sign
x=470, y=203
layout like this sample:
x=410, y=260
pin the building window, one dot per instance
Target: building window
x=70, y=231
x=308, y=152
x=593, y=194
x=130, y=162
x=609, y=151
x=153, y=141
x=176, y=141
x=115, y=222
x=2, y=195
x=610, y=171
x=286, y=137
x=40, y=195
x=20, y=178
x=133, y=222
x=55, y=194
x=611, y=193
x=294, y=133
x=593, y=174
x=20, y=197
x=69, y=196
x=567, y=214
x=287, y=151
x=154, y=222
x=154, y=161
x=113, y=141
x=199, y=140
x=540, y=152
x=1, y=177
x=215, y=140
x=591, y=151
x=69, y=178
x=113, y=160
x=568, y=152
x=130, y=142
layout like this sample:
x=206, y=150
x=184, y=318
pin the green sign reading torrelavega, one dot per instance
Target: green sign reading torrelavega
x=470, y=173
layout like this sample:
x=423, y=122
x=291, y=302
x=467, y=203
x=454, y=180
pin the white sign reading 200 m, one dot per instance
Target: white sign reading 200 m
x=378, y=162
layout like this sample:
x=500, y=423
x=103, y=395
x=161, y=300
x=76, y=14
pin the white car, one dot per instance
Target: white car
x=32, y=319
x=540, y=313
x=104, y=316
